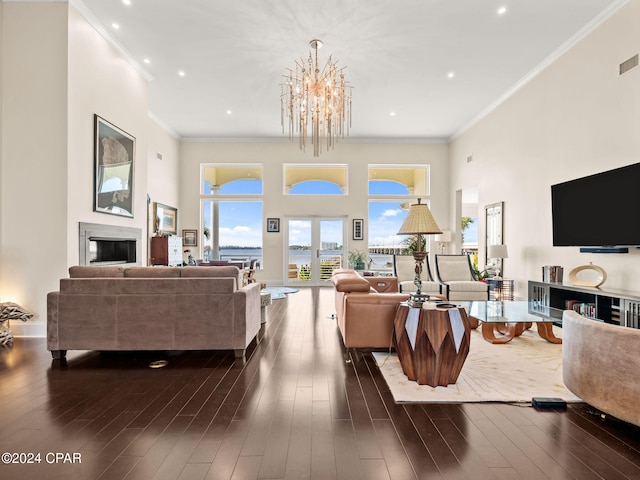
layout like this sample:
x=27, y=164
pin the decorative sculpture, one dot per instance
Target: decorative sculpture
x=11, y=311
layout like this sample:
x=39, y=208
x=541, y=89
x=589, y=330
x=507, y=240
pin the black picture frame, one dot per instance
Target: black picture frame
x=358, y=229
x=165, y=218
x=273, y=224
x=114, y=155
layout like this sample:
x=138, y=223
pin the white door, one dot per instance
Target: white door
x=315, y=249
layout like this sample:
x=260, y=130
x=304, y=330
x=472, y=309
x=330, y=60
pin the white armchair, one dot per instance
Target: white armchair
x=455, y=274
x=404, y=270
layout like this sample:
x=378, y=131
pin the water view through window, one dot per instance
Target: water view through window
x=239, y=221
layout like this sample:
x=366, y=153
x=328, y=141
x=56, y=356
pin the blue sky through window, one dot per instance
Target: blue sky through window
x=315, y=187
x=241, y=222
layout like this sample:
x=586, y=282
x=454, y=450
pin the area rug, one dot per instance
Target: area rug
x=526, y=367
x=279, y=292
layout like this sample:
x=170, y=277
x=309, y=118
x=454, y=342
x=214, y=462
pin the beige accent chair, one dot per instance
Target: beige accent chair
x=600, y=365
x=455, y=274
x=404, y=271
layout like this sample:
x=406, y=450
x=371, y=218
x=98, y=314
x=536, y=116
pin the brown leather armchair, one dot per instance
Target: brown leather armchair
x=365, y=316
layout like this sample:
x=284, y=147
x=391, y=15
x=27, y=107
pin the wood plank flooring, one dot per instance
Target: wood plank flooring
x=302, y=407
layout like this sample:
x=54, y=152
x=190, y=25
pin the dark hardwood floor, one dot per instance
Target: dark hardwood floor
x=301, y=407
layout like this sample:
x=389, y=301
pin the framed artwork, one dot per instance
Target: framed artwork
x=358, y=229
x=114, y=153
x=273, y=224
x=190, y=238
x=166, y=219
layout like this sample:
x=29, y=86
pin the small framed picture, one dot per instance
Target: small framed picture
x=273, y=224
x=166, y=219
x=190, y=238
x=358, y=226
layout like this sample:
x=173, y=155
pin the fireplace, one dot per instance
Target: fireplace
x=110, y=245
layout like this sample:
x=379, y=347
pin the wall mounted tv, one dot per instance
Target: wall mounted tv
x=600, y=212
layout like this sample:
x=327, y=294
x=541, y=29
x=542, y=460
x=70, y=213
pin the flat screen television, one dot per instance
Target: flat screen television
x=601, y=210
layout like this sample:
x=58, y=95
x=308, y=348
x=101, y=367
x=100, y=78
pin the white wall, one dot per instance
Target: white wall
x=578, y=117
x=163, y=176
x=101, y=82
x=34, y=156
x=276, y=204
x=57, y=72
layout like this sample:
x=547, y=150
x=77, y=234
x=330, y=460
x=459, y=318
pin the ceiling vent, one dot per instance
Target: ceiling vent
x=629, y=64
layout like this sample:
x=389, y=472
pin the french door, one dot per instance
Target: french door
x=315, y=248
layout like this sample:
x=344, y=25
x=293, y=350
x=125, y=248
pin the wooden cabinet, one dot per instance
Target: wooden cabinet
x=166, y=251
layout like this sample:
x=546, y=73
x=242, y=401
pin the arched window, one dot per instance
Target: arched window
x=241, y=179
x=415, y=178
x=315, y=179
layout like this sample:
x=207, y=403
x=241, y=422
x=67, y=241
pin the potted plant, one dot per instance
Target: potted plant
x=480, y=275
x=410, y=244
x=357, y=259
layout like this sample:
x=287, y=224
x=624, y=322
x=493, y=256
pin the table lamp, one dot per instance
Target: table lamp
x=419, y=221
x=444, y=237
x=497, y=252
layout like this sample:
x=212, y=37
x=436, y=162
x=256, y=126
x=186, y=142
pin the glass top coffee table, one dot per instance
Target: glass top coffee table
x=510, y=319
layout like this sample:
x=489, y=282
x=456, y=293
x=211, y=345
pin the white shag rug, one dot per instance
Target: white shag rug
x=527, y=366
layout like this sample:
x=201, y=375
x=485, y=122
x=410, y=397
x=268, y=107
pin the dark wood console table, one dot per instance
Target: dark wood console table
x=432, y=343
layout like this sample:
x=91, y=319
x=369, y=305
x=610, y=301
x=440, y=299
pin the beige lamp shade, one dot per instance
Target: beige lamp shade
x=419, y=220
x=497, y=251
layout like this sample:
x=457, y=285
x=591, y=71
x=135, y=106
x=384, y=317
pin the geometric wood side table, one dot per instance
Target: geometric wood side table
x=431, y=343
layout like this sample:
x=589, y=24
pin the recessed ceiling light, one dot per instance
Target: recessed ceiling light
x=451, y=74
x=502, y=10
x=229, y=112
x=393, y=114
x=115, y=26
x=181, y=73
x=126, y=2
x=146, y=60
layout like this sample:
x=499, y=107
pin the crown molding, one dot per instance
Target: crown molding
x=164, y=126
x=117, y=46
x=349, y=140
x=559, y=52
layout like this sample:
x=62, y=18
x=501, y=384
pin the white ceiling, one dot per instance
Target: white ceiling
x=397, y=52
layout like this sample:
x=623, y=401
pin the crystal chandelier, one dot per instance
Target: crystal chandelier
x=317, y=98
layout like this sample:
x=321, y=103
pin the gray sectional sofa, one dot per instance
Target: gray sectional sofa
x=153, y=308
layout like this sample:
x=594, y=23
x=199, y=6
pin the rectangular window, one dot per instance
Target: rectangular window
x=232, y=230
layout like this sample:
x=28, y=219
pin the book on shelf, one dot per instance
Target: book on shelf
x=583, y=308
